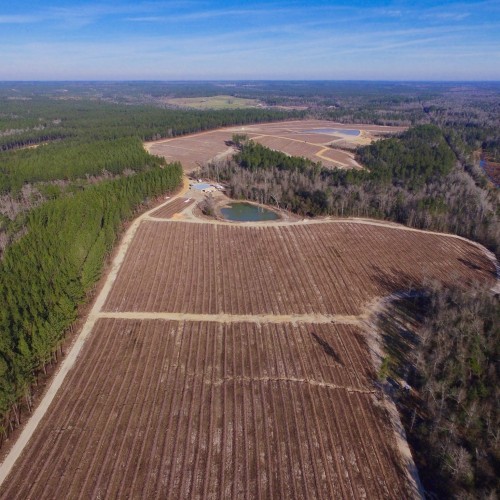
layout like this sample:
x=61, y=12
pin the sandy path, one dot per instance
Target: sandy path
x=69, y=361
x=237, y=318
x=321, y=155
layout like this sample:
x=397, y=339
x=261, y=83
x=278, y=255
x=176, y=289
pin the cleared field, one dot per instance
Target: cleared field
x=268, y=393
x=325, y=268
x=301, y=126
x=293, y=137
x=176, y=206
x=159, y=409
x=329, y=158
x=193, y=150
x=214, y=102
x=333, y=157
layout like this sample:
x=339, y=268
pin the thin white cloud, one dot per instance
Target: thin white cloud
x=281, y=42
x=446, y=16
x=201, y=15
x=20, y=19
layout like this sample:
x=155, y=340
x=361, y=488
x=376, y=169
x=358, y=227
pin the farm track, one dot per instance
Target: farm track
x=230, y=361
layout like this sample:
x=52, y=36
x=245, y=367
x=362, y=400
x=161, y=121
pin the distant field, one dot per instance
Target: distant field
x=215, y=102
x=296, y=138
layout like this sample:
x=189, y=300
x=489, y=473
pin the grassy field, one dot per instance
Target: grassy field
x=215, y=102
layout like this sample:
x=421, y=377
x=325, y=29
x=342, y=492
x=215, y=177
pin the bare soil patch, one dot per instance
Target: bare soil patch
x=189, y=410
x=176, y=206
x=292, y=137
x=325, y=268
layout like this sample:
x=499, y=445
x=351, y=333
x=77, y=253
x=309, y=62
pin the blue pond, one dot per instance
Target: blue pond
x=346, y=131
x=201, y=186
x=246, y=212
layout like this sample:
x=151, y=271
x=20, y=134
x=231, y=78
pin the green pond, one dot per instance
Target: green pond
x=246, y=212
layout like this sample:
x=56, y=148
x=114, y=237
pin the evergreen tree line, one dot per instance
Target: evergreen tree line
x=414, y=180
x=87, y=120
x=48, y=272
x=70, y=160
x=81, y=141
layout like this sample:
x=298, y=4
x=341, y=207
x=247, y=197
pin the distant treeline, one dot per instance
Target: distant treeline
x=24, y=123
x=51, y=146
x=47, y=273
x=414, y=180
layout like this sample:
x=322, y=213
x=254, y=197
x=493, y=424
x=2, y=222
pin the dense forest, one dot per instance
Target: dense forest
x=414, y=179
x=71, y=160
x=444, y=343
x=38, y=120
x=52, y=146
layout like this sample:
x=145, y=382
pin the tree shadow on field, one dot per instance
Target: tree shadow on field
x=399, y=320
x=395, y=281
x=329, y=350
x=483, y=266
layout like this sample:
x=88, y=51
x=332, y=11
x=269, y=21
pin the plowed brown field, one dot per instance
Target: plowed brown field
x=159, y=409
x=294, y=138
x=326, y=268
x=268, y=393
x=176, y=206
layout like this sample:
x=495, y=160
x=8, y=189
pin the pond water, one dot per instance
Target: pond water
x=345, y=131
x=246, y=212
x=201, y=186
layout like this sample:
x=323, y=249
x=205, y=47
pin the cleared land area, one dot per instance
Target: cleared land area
x=195, y=150
x=176, y=206
x=232, y=361
x=214, y=102
x=294, y=138
x=327, y=268
x=160, y=409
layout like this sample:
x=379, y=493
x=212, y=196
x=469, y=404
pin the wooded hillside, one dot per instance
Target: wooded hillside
x=414, y=179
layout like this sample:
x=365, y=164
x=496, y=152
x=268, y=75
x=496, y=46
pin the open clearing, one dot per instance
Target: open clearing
x=159, y=409
x=293, y=138
x=214, y=102
x=325, y=268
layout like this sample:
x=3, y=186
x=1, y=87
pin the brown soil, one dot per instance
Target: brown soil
x=226, y=360
x=158, y=409
x=326, y=268
x=293, y=137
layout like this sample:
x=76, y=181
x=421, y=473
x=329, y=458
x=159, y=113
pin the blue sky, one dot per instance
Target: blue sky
x=190, y=40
